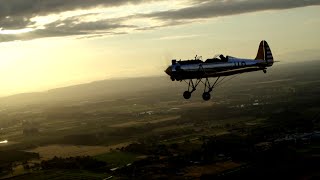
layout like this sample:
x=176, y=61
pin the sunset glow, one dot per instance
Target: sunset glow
x=43, y=46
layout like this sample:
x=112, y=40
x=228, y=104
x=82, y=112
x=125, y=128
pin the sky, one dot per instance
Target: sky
x=55, y=43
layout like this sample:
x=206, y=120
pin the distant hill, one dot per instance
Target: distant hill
x=111, y=88
x=298, y=56
x=121, y=88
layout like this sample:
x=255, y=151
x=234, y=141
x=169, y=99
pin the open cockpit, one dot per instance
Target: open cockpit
x=217, y=58
x=198, y=59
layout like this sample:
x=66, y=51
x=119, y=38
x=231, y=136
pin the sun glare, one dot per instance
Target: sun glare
x=4, y=142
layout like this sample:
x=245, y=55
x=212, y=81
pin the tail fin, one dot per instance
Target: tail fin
x=264, y=53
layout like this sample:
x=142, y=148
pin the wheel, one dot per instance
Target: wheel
x=265, y=71
x=206, y=96
x=187, y=95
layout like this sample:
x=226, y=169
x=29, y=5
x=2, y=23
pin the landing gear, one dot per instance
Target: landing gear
x=264, y=71
x=187, y=95
x=191, y=88
x=207, y=88
x=206, y=96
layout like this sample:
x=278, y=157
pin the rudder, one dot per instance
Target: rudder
x=264, y=53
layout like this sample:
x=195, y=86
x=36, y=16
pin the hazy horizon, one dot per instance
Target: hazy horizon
x=115, y=86
x=69, y=43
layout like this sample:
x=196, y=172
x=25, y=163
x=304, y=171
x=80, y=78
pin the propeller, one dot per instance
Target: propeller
x=166, y=62
x=167, y=57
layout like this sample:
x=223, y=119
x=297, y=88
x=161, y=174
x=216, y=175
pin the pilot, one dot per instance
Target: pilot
x=222, y=58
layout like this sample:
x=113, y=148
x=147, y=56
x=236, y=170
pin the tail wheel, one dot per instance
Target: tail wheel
x=187, y=95
x=206, y=96
x=264, y=71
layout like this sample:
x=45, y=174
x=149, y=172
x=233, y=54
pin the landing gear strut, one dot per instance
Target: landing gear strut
x=207, y=88
x=191, y=88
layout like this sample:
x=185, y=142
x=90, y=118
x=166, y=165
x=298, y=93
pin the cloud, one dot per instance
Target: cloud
x=216, y=8
x=28, y=8
x=75, y=25
x=178, y=37
x=15, y=14
x=14, y=23
x=71, y=27
x=114, y=17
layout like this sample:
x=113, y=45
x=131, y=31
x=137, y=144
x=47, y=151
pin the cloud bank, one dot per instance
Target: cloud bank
x=57, y=18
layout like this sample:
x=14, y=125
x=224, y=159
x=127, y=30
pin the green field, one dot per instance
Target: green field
x=117, y=159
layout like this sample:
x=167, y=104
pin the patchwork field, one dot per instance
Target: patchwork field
x=64, y=151
x=133, y=123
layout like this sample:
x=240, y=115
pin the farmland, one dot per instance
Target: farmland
x=156, y=131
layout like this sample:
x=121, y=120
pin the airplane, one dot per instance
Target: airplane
x=218, y=67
